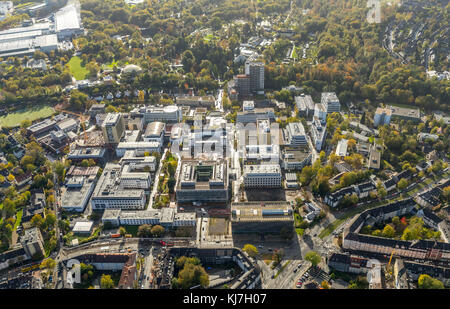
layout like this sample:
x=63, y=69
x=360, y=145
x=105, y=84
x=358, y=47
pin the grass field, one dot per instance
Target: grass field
x=78, y=71
x=33, y=113
x=282, y=268
x=18, y=219
x=210, y=37
x=131, y=229
x=110, y=65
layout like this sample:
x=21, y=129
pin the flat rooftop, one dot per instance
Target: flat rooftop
x=265, y=169
x=405, y=112
x=203, y=175
x=261, y=211
x=108, y=185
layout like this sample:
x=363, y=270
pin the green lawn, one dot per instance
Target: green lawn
x=110, y=65
x=131, y=229
x=31, y=113
x=330, y=228
x=18, y=219
x=282, y=268
x=209, y=37
x=78, y=71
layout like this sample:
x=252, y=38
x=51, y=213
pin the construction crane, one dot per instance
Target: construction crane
x=79, y=116
x=390, y=259
x=389, y=264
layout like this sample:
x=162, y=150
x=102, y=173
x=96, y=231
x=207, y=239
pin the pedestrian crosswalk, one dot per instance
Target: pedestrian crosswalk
x=318, y=274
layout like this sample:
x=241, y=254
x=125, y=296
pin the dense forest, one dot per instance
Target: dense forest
x=345, y=55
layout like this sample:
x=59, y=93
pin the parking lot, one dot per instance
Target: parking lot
x=315, y=274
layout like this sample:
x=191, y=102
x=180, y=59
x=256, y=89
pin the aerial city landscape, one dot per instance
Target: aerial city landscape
x=224, y=144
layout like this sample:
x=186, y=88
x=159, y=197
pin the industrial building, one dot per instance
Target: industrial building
x=261, y=217
x=68, y=22
x=22, y=41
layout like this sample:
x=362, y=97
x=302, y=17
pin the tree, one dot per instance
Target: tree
x=313, y=257
x=171, y=184
x=278, y=256
x=78, y=100
x=48, y=264
x=122, y=231
x=382, y=192
x=388, y=231
x=188, y=60
x=37, y=221
x=144, y=230
x=250, y=250
x=354, y=199
x=325, y=285
x=402, y=184
x=106, y=282
x=50, y=220
x=446, y=193
x=427, y=282
x=191, y=274
x=306, y=175
x=157, y=230
x=25, y=123
x=408, y=234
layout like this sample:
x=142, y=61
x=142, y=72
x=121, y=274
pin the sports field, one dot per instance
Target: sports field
x=31, y=113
